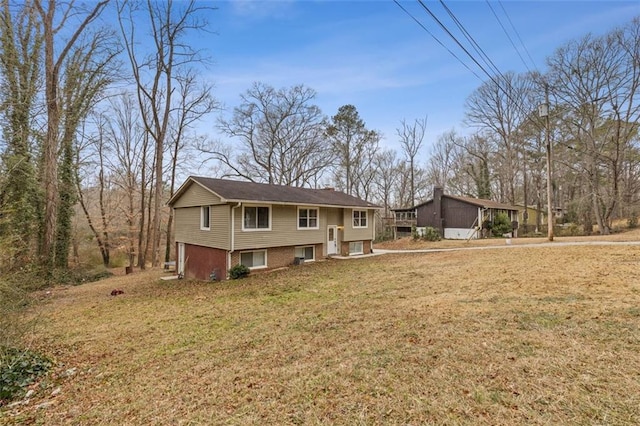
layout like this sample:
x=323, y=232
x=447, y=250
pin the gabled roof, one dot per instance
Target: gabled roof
x=239, y=191
x=479, y=202
x=485, y=204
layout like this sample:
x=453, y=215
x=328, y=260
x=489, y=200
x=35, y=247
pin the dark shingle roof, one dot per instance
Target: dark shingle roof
x=233, y=190
x=486, y=204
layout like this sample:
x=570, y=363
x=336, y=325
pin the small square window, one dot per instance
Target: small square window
x=359, y=218
x=307, y=218
x=256, y=217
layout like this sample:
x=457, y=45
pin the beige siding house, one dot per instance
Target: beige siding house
x=220, y=223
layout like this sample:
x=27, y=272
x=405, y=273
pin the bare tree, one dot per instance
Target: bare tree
x=499, y=106
x=411, y=140
x=95, y=150
x=159, y=74
x=596, y=81
x=193, y=103
x=279, y=136
x=441, y=163
x=127, y=162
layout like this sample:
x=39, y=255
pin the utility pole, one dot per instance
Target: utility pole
x=525, y=214
x=543, y=111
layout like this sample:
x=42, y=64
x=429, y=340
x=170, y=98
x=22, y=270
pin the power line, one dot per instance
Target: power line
x=436, y=39
x=473, y=42
x=494, y=79
x=507, y=34
x=464, y=49
x=518, y=35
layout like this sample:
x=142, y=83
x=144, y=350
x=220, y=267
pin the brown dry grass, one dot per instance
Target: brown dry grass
x=409, y=244
x=528, y=336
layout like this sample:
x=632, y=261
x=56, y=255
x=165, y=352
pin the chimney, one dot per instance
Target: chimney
x=438, y=219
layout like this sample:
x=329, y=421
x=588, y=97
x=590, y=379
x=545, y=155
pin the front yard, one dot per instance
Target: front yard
x=528, y=336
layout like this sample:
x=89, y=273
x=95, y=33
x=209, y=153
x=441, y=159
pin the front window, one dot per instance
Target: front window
x=307, y=218
x=256, y=218
x=205, y=218
x=307, y=253
x=254, y=259
x=359, y=218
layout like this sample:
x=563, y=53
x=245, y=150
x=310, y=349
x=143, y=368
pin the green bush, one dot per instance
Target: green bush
x=431, y=234
x=632, y=222
x=19, y=369
x=427, y=234
x=414, y=233
x=238, y=271
x=501, y=225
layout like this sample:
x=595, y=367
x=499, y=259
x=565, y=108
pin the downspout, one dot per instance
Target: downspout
x=233, y=231
x=373, y=236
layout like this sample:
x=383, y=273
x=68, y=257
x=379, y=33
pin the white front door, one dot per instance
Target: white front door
x=332, y=239
x=180, y=268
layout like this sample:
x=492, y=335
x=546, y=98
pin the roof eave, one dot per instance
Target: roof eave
x=291, y=203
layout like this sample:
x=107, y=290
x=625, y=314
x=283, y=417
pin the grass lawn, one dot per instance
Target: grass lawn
x=534, y=335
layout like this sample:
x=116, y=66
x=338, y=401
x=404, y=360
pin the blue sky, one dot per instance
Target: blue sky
x=373, y=55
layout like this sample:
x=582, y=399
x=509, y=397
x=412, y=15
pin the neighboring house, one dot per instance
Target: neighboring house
x=533, y=213
x=454, y=217
x=532, y=217
x=220, y=223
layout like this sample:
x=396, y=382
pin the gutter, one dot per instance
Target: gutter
x=233, y=230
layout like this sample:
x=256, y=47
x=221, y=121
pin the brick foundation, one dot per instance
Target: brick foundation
x=278, y=257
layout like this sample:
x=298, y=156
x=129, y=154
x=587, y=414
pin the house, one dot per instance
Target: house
x=220, y=223
x=538, y=218
x=533, y=220
x=454, y=217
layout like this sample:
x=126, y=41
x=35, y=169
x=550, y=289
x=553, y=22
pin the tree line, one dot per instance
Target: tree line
x=100, y=120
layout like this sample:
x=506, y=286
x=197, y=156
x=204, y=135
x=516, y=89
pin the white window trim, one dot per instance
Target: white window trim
x=314, y=252
x=356, y=252
x=366, y=215
x=256, y=229
x=309, y=227
x=203, y=228
x=251, y=268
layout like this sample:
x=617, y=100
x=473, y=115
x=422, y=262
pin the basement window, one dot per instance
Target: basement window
x=356, y=247
x=308, y=253
x=254, y=259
